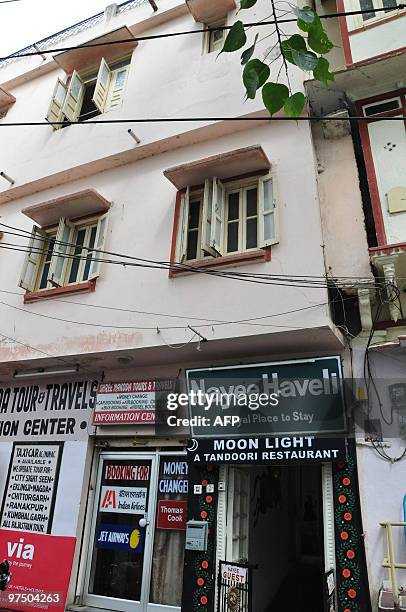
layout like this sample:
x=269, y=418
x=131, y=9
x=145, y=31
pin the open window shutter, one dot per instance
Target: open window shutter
x=55, y=112
x=32, y=260
x=217, y=216
x=207, y=217
x=59, y=261
x=101, y=90
x=181, y=241
x=267, y=212
x=99, y=246
x=117, y=86
x=74, y=97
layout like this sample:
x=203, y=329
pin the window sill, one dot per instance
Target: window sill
x=46, y=294
x=377, y=21
x=226, y=260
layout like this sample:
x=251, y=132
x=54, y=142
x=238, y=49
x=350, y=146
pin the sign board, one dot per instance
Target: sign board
x=40, y=567
x=171, y=514
x=120, y=537
x=234, y=573
x=57, y=411
x=287, y=397
x=125, y=500
x=174, y=476
x=28, y=503
x=130, y=402
x=267, y=450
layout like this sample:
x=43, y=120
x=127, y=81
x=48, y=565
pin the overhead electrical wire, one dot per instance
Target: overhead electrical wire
x=199, y=120
x=287, y=280
x=17, y=54
x=210, y=322
x=182, y=268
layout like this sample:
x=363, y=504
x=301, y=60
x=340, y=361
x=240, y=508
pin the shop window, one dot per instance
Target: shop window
x=86, y=95
x=63, y=255
x=370, y=5
x=214, y=39
x=226, y=218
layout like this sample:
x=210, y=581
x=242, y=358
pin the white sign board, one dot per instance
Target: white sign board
x=56, y=410
x=234, y=573
x=124, y=500
x=120, y=403
x=28, y=503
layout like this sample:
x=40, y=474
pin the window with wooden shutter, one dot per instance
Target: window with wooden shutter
x=181, y=244
x=268, y=212
x=207, y=217
x=117, y=87
x=33, y=259
x=216, y=237
x=227, y=218
x=100, y=240
x=74, y=97
x=55, y=111
x=62, y=251
x=102, y=88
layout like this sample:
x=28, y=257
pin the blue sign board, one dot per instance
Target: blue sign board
x=120, y=537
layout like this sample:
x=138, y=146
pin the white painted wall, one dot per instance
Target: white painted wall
x=382, y=484
x=368, y=42
x=341, y=206
x=388, y=146
x=141, y=223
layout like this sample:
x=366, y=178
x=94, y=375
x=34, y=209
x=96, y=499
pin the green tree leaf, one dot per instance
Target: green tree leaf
x=248, y=53
x=274, y=96
x=322, y=72
x=306, y=60
x=306, y=13
x=236, y=38
x=295, y=42
x=246, y=4
x=319, y=41
x=294, y=104
x=255, y=74
x=305, y=27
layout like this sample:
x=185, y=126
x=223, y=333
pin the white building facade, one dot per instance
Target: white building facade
x=185, y=239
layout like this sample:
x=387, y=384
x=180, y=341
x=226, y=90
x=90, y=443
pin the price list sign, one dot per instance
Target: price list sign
x=28, y=503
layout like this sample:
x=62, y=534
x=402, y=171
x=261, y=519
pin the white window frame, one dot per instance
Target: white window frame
x=238, y=186
x=241, y=189
x=98, y=221
x=356, y=21
x=105, y=98
x=209, y=46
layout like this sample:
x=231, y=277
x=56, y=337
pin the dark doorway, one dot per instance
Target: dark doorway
x=286, y=539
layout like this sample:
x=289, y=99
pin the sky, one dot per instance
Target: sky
x=27, y=21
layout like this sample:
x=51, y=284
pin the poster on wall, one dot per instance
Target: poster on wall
x=57, y=411
x=29, y=499
x=130, y=402
x=30, y=557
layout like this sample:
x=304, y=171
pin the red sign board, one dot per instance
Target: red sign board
x=171, y=514
x=36, y=580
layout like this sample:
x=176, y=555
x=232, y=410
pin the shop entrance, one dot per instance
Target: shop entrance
x=275, y=523
x=138, y=533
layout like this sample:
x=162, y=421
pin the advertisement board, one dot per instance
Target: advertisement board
x=40, y=568
x=171, y=514
x=266, y=450
x=288, y=397
x=130, y=402
x=28, y=503
x=57, y=411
